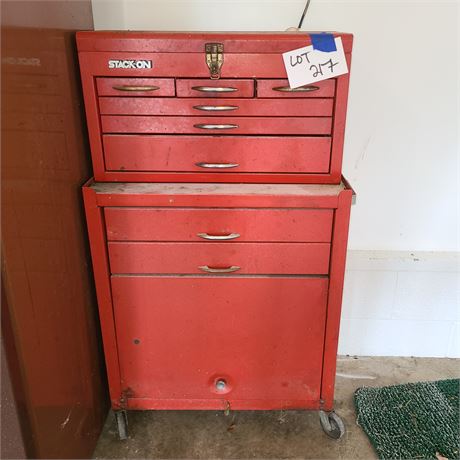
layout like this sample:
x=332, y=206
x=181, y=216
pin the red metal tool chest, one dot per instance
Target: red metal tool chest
x=181, y=311
x=154, y=114
x=215, y=294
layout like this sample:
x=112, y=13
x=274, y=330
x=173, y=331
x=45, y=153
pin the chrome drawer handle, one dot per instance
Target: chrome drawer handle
x=215, y=89
x=207, y=236
x=135, y=88
x=301, y=89
x=211, y=126
x=217, y=165
x=208, y=269
x=215, y=108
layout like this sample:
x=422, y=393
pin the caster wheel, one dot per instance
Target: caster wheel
x=332, y=424
x=121, y=417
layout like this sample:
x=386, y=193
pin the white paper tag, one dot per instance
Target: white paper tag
x=306, y=65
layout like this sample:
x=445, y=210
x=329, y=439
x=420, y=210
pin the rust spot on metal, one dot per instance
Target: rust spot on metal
x=227, y=408
x=126, y=393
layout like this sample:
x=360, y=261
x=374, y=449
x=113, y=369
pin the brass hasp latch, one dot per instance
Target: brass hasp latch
x=214, y=58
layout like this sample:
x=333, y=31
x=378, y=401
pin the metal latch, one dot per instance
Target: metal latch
x=214, y=58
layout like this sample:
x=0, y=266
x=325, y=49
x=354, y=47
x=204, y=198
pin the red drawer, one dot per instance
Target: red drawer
x=211, y=154
x=207, y=125
x=214, y=88
x=224, y=107
x=280, y=88
x=233, y=225
x=220, y=258
x=178, y=336
x=152, y=87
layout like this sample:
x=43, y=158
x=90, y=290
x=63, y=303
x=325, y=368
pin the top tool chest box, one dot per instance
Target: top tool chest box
x=208, y=107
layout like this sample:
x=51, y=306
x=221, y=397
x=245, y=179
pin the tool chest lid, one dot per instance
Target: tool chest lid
x=218, y=195
x=219, y=189
x=194, y=42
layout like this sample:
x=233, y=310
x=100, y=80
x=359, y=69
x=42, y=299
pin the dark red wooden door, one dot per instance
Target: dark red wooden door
x=53, y=349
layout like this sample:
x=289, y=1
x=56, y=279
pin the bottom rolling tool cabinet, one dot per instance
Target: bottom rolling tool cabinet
x=219, y=296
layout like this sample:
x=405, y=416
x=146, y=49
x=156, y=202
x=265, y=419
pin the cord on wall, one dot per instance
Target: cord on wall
x=303, y=14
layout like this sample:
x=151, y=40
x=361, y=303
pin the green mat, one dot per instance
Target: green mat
x=411, y=421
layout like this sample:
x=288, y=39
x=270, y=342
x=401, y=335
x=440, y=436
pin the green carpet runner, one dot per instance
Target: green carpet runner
x=412, y=421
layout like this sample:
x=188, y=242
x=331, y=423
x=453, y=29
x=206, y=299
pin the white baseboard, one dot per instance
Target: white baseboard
x=401, y=304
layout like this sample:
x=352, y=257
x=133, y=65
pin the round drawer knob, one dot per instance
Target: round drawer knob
x=221, y=385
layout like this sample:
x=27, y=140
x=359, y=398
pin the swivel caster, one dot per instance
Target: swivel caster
x=121, y=417
x=332, y=424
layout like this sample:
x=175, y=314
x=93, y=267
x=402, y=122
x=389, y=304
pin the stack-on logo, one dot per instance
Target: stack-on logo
x=129, y=64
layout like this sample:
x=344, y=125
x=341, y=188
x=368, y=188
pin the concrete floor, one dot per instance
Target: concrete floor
x=276, y=434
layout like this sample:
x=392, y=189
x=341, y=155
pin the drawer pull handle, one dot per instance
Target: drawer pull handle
x=208, y=269
x=215, y=108
x=215, y=89
x=217, y=165
x=135, y=88
x=207, y=236
x=301, y=89
x=211, y=126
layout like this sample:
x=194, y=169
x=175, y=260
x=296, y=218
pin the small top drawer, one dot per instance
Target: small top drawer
x=280, y=88
x=153, y=87
x=215, y=88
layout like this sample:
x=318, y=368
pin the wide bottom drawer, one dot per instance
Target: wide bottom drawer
x=220, y=258
x=220, y=339
x=219, y=154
